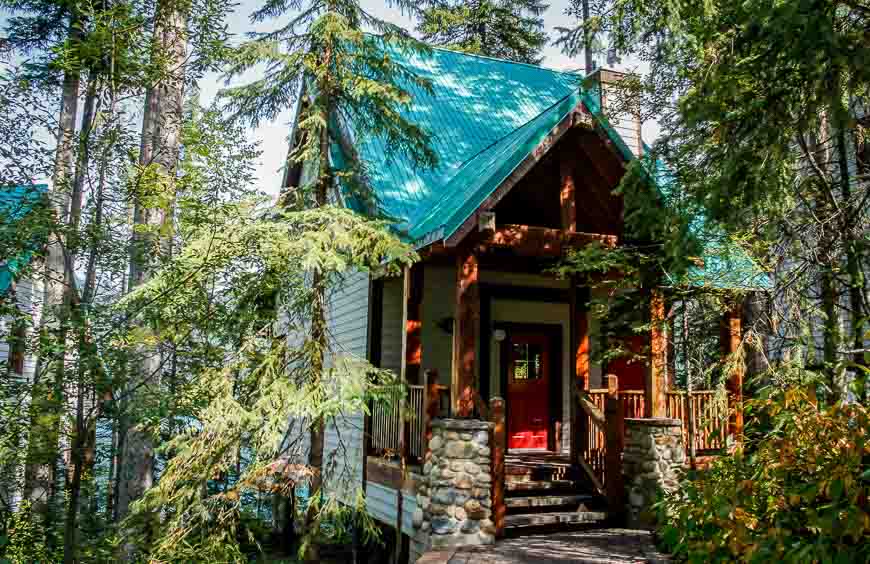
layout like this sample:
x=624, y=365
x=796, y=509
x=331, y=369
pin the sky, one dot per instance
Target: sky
x=273, y=136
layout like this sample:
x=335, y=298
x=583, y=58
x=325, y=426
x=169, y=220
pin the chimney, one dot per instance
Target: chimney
x=619, y=104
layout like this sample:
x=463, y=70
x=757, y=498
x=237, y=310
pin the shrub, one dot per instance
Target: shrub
x=796, y=492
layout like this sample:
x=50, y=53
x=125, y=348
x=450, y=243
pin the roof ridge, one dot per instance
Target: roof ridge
x=512, y=131
x=487, y=57
x=508, y=61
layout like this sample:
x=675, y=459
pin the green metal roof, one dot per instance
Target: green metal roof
x=485, y=116
x=15, y=203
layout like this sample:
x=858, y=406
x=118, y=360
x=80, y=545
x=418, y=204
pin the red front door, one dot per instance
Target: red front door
x=528, y=391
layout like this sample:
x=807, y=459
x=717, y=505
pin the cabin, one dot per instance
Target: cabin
x=23, y=296
x=508, y=421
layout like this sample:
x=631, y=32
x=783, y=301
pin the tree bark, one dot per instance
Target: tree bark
x=161, y=132
x=319, y=337
x=45, y=414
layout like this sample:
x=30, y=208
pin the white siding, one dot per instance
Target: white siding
x=382, y=503
x=343, y=440
x=439, y=303
x=28, y=297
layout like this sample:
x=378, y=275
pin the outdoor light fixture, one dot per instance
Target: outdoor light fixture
x=499, y=335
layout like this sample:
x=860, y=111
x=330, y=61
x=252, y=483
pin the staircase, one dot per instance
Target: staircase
x=544, y=491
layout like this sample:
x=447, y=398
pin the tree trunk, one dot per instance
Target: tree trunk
x=80, y=440
x=46, y=409
x=319, y=337
x=853, y=261
x=161, y=131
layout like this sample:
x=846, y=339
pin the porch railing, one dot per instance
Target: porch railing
x=705, y=423
x=387, y=419
x=704, y=416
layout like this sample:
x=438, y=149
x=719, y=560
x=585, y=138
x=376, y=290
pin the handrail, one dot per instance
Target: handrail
x=595, y=415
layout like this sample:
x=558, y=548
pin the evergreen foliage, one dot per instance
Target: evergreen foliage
x=504, y=29
x=763, y=107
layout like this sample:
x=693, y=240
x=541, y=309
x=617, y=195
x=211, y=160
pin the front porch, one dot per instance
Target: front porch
x=558, y=417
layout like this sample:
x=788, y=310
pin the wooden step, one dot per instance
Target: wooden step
x=530, y=502
x=543, y=485
x=554, y=518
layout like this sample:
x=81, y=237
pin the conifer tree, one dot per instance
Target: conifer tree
x=505, y=29
x=765, y=137
x=346, y=86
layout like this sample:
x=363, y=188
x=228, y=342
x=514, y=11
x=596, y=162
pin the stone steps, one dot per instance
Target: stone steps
x=550, y=501
x=538, y=485
x=554, y=518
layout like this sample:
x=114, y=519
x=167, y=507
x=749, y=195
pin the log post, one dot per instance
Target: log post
x=615, y=436
x=730, y=340
x=579, y=329
x=498, y=449
x=655, y=387
x=466, y=331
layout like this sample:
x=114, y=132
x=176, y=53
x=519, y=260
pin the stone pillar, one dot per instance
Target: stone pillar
x=454, y=503
x=651, y=460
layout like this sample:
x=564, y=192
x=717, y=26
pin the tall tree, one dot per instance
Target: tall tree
x=154, y=196
x=505, y=29
x=323, y=60
x=39, y=27
x=768, y=95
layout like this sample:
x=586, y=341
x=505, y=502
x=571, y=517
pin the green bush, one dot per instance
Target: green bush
x=796, y=492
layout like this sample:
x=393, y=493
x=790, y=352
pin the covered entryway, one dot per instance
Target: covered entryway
x=528, y=386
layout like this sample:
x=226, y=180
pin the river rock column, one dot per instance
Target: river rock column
x=454, y=498
x=651, y=462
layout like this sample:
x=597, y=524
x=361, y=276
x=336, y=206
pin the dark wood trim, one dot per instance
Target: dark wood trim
x=533, y=241
x=389, y=475
x=579, y=116
x=525, y=293
x=485, y=343
x=374, y=332
x=554, y=332
x=376, y=320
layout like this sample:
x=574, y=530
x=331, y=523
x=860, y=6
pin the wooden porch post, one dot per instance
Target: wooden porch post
x=579, y=328
x=655, y=387
x=466, y=331
x=614, y=418
x=499, y=447
x=730, y=339
x=414, y=325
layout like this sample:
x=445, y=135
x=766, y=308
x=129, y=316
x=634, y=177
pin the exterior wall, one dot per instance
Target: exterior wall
x=391, y=329
x=439, y=302
x=382, y=503
x=343, y=440
x=28, y=297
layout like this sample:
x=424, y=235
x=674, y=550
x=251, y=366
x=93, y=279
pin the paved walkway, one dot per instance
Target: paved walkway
x=610, y=546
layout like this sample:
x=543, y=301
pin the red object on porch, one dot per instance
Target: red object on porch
x=528, y=391
x=631, y=374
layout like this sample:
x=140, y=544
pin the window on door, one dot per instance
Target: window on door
x=527, y=361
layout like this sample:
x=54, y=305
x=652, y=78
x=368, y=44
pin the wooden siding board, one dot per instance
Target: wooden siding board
x=343, y=440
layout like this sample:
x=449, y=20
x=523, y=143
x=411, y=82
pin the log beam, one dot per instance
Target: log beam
x=567, y=200
x=529, y=240
x=466, y=331
x=655, y=387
